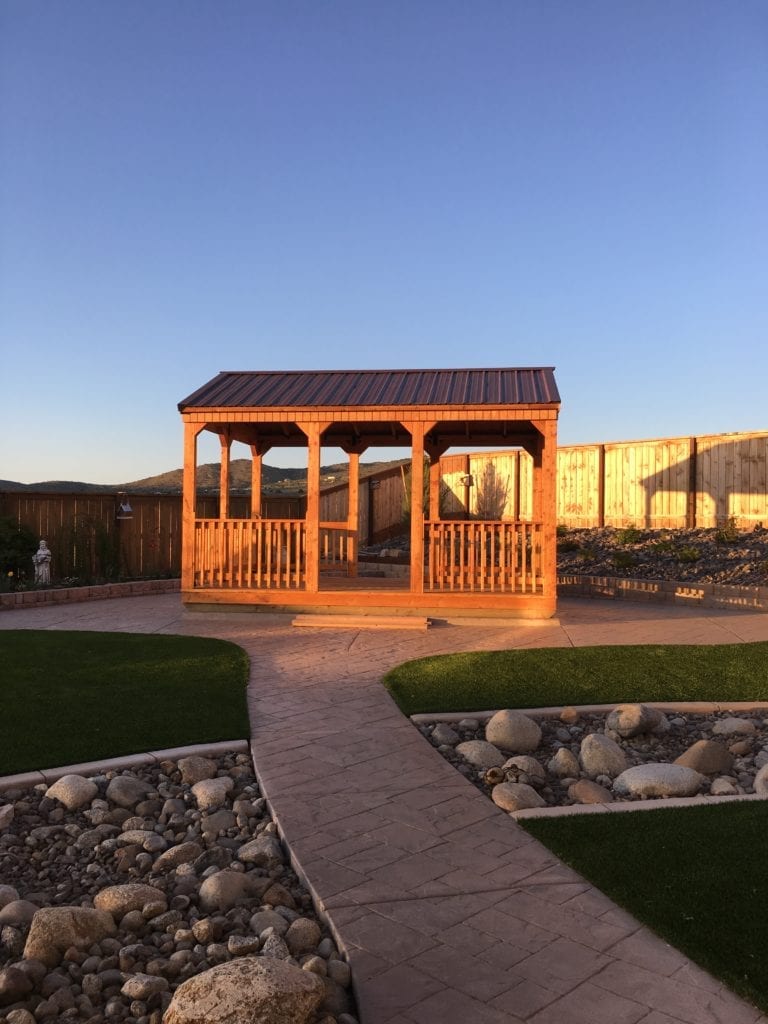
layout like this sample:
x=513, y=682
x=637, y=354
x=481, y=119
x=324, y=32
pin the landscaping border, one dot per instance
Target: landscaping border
x=98, y=592
x=690, y=593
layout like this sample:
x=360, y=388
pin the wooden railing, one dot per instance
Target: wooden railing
x=468, y=555
x=250, y=553
x=338, y=547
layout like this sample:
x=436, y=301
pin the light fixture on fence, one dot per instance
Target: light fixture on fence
x=124, y=510
x=374, y=484
x=468, y=480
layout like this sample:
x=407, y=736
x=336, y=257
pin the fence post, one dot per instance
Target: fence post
x=692, y=482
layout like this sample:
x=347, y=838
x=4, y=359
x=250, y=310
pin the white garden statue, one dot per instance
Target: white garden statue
x=42, y=560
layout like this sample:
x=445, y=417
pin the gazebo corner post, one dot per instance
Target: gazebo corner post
x=257, y=458
x=545, y=507
x=188, y=505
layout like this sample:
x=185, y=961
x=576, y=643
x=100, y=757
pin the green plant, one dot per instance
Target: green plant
x=688, y=554
x=567, y=545
x=623, y=559
x=728, y=532
x=17, y=546
x=663, y=545
x=588, y=554
x=629, y=535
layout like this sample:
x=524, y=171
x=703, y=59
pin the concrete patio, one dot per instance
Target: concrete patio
x=446, y=908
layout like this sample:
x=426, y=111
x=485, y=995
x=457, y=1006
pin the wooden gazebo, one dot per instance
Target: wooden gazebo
x=466, y=565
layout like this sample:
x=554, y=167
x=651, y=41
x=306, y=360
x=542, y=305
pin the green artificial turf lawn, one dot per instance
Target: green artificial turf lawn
x=554, y=676
x=695, y=876
x=67, y=697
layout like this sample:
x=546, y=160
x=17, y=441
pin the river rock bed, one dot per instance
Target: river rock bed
x=725, y=556
x=116, y=890
x=634, y=752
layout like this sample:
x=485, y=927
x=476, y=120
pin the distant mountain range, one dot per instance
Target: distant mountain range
x=275, y=480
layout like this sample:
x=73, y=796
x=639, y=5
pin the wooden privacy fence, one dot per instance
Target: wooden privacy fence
x=674, y=482
x=665, y=483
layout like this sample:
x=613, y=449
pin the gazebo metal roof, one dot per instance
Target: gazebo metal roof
x=523, y=386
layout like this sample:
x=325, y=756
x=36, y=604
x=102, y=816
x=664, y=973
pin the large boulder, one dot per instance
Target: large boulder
x=658, y=780
x=481, y=754
x=56, y=929
x=514, y=731
x=227, y=888
x=564, y=764
x=118, y=900
x=265, y=851
x=248, y=990
x=516, y=796
x=707, y=757
x=600, y=755
x=195, y=768
x=74, y=791
x=634, y=719
x=212, y=793
x=127, y=791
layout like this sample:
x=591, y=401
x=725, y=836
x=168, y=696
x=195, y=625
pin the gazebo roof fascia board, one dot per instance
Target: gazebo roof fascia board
x=377, y=392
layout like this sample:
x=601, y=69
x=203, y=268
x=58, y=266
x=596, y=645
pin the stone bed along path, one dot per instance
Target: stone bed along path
x=444, y=909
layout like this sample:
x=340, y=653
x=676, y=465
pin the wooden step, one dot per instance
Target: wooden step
x=362, y=621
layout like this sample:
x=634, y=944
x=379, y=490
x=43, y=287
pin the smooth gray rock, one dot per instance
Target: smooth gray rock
x=444, y=735
x=585, y=791
x=514, y=731
x=733, y=727
x=265, y=851
x=635, y=719
x=516, y=796
x=564, y=764
x=195, y=768
x=658, y=780
x=212, y=793
x=481, y=754
x=707, y=757
x=227, y=888
x=127, y=791
x=761, y=781
x=600, y=755
x=118, y=900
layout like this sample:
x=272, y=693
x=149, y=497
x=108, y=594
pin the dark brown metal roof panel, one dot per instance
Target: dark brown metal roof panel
x=371, y=388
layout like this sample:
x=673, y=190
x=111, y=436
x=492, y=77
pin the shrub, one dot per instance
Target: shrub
x=728, y=533
x=568, y=545
x=629, y=535
x=624, y=560
x=17, y=546
x=688, y=554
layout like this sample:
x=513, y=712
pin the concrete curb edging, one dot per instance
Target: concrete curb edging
x=100, y=592
x=47, y=776
x=690, y=594
x=676, y=802
x=700, y=707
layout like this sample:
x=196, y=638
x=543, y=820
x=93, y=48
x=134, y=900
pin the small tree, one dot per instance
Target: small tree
x=17, y=546
x=492, y=494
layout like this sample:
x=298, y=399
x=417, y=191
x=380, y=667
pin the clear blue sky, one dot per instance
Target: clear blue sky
x=187, y=187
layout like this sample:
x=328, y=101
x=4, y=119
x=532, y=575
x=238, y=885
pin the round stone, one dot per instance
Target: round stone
x=514, y=731
x=516, y=796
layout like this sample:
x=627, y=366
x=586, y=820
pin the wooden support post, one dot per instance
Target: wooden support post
x=435, y=452
x=545, y=503
x=353, y=513
x=417, y=430
x=601, y=486
x=189, y=505
x=467, y=488
x=226, y=444
x=256, y=465
x=314, y=432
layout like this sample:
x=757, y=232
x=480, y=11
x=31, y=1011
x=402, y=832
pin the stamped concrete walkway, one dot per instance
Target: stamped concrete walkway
x=447, y=910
